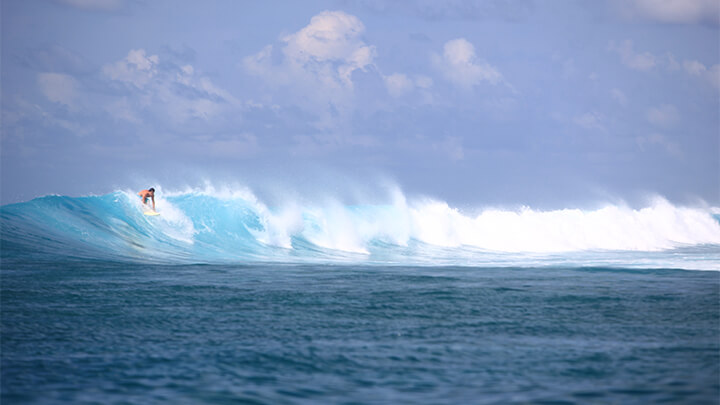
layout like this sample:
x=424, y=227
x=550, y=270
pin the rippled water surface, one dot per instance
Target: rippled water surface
x=97, y=332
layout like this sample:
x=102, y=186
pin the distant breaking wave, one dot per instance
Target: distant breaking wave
x=199, y=226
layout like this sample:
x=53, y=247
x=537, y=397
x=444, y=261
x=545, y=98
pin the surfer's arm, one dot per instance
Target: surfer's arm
x=153, y=200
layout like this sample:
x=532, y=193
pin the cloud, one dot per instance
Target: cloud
x=637, y=61
x=59, y=88
x=178, y=93
x=332, y=37
x=322, y=56
x=694, y=67
x=672, y=63
x=671, y=11
x=697, y=69
x=590, y=120
x=399, y=84
x=27, y=120
x=646, y=61
x=619, y=96
x=659, y=140
x=136, y=68
x=317, y=62
x=459, y=65
x=56, y=58
x=664, y=116
x=260, y=64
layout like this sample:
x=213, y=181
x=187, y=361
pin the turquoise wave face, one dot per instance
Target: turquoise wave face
x=201, y=227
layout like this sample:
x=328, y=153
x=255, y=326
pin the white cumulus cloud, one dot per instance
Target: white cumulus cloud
x=332, y=37
x=328, y=51
x=59, y=88
x=645, y=61
x=177, y=92
x=459, y=65
x=317, y=62
x=399, y=84
x=634, y=60
x=136, y=68
x=711, y=74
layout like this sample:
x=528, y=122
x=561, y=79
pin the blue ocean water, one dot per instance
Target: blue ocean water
x=222, y=299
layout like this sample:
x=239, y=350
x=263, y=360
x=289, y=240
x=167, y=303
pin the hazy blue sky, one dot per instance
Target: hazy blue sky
x=481, y=102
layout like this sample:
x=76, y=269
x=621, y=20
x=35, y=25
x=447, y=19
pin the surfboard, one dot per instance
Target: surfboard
x=152, y=213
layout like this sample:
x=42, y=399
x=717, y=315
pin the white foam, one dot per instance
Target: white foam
x=279, y=227
x=333, y=224
x=659, y=226
x=225, y=192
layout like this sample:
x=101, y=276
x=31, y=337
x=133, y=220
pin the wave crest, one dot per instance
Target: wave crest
x=233, y=226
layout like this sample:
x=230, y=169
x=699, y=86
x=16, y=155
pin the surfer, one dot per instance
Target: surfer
x=149, y=193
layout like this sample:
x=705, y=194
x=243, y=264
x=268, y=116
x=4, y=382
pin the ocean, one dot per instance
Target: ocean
x=224, y=299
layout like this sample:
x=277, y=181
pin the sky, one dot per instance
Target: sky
x=546, y=103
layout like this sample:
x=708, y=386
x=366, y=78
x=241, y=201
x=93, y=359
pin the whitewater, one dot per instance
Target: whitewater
x=234, y=226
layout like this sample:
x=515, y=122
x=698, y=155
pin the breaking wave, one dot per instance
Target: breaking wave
x=210, y=226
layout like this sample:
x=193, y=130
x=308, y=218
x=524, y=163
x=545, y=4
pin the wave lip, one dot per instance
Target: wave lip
x=201, y=227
